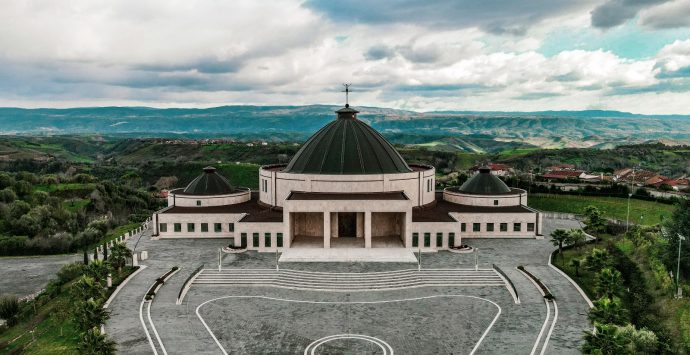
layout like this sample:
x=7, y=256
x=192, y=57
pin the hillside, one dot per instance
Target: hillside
x=557, y=129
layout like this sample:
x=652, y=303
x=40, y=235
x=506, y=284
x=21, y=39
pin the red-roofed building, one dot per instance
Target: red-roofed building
x=496, y=169
x=561, y=167
x=563, y=175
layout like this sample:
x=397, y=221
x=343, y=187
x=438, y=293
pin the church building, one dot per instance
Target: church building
x=347, y=187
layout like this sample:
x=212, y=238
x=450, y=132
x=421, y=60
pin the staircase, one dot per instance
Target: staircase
x=348, y=282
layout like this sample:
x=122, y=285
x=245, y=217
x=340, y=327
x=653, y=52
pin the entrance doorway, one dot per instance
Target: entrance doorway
x=347, y=225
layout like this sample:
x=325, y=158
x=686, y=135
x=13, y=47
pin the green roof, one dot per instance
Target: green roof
x=484, y=183
x=347, y=146
x=209, y=183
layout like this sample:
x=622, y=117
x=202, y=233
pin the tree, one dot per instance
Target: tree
x=594, y=219
x=575, y=264
x=558, y=237
x=608, y=311
x=640, y=341
x=9, y=309
x=93, y=342
x=603, y=339
x=87, y=288
x=119, y=254
x=576, y=237
x=596, y=260
x=98, y=270
x=678, y=224
x=7, y=195
x=88, y=314
x=609, y=282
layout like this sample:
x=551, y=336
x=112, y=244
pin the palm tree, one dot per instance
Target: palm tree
x=603, y=339
x=576, y=237
x=99, y=270
x=93, y=342
x=575, y=264
x=558, y=237
x=609, y=282
x=596, y=260
x=87, y=288
x=608, y=311
x=118, y=256
x=88, y=314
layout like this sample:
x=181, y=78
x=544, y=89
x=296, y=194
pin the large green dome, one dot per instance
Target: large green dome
x=484, y=183
x=209, y=183
x=347, y=146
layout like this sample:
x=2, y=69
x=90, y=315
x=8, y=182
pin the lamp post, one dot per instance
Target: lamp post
x=220, y=251
x=627, y=218
x=476, y=259
x=679, y=291
x=419, y=260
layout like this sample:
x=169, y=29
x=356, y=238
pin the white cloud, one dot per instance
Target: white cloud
x=204, y=53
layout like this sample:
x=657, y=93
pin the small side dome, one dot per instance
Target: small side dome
x=209, y=183
x=484, y=183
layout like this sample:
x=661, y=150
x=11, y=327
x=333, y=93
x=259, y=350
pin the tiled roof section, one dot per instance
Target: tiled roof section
x=342, y=196
x=439, y=211
x=255, y=211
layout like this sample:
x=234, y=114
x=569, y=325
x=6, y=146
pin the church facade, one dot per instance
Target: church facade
x=347, y=187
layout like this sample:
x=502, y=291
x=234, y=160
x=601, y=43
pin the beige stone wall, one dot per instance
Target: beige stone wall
x=486, y=200
x=433, y=228
x=197, y=218
x=417, y=185
x=215, y=200
x=387, y=224
x=249, y=228
x=497, y=218
x=308, y=224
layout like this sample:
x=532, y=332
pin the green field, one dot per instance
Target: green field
x=75, y=204
x=641, y=212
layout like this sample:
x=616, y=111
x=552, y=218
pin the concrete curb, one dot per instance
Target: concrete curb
x=582, y=293
x=122, y=285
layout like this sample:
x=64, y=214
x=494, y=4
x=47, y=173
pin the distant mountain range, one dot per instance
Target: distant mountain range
x=551, y=129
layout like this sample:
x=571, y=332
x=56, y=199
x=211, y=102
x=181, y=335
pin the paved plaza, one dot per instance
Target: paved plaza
x=27, y=275
x=216, y=319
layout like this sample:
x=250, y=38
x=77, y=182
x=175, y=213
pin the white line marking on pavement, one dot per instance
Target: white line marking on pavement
x=474, y=349
x=148, y=336
x=553, y=325
x=385, y=347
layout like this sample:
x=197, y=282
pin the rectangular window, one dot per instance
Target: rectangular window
x=177, y=227
x=279, y=242
x=231, y=227
x=504, y=227
x=190, y=227
x=415, y=240
x=516, y=227
x=267, y=240
x=255, y=239
x=427, y=240
x=451, y=239
x=439, y=240
x=217, y=227
x=463, y=227
x=495, y=202
x=204, y=227
x=489, y=227
x=163, y=227
x=476, y=227
x=198, y=202
x=530, y=227
x=243, y=240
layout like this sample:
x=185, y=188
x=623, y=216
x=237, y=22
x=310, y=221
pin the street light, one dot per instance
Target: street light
x=476, y=259
x=627, y=218
x=679, y=293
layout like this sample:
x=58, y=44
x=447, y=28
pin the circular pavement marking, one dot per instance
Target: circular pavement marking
x=385, y=347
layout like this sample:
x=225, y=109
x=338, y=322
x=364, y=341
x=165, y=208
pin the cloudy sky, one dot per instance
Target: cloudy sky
x=504, y=55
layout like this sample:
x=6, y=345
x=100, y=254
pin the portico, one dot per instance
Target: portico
x=350, y=220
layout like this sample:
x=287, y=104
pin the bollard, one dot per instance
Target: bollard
x=135, y=261
x=144, y=255
x=110, y=280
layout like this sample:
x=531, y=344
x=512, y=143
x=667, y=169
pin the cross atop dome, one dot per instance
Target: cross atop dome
x=347, y=112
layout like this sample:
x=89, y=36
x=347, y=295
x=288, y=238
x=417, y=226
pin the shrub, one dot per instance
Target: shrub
x=9, y=309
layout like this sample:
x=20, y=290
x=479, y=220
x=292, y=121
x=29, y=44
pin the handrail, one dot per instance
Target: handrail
x=510, y=282
x=185, y=285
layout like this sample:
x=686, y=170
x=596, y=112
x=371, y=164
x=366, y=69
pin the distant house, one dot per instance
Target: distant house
x=496, y=169
x=561, y=167
x=592, y=177
x=563, y=175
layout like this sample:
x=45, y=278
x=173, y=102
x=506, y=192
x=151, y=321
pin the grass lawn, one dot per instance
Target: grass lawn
x=65, y=186
x=114, y=233
x=76, y=204
x=641, y=212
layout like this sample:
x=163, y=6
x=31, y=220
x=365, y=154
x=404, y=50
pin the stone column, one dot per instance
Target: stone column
x=327, y=229
x=367, y=229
